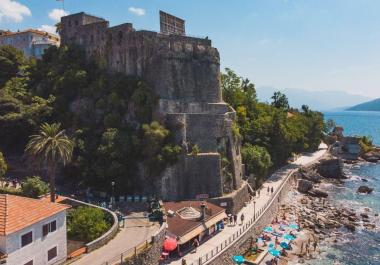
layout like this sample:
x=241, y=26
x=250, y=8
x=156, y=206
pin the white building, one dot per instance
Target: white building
x=32, y=42
x=32, y=232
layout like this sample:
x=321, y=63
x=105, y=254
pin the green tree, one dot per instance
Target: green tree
x=280, y=101
x=3, y=166
x=330, y=125
x=51, y=147
x=257, y=159
x=11, y=62
x=86, y=223
x=34, y=187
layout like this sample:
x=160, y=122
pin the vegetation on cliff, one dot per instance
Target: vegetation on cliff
x=108, y=116
x=270, y=133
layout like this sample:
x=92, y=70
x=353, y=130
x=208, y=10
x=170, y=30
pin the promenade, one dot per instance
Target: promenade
x=275, y=181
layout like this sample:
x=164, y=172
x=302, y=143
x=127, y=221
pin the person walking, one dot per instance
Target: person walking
x=196, y=245
x=271, y=190
x=184, y=262
x=315, y=245
x=235, y=219
x=268, y=190
x=242, y=218
x=231, y=219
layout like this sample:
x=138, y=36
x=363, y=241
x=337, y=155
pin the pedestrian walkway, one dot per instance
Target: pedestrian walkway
x=135, y=232
x=275, y=181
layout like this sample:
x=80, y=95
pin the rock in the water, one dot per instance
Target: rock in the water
x=364, y=189
x=364, y=215
x=318, y=193
x=304, y=185
x=364, y=180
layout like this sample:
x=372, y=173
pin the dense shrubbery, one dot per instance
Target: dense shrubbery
x=34, y=187
x=104, y=113
x=86, y=223
x=270, y=133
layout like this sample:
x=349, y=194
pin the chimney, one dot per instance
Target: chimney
x=203, y=211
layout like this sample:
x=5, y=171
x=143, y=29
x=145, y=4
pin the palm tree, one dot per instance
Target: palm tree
x=50, y=147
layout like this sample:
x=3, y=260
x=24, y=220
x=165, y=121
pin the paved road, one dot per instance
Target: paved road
x=274, y=181
x=135, y=232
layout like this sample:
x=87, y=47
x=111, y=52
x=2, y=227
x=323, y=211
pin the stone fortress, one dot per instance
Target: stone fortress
x=184, y=72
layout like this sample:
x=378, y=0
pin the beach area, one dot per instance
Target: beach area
x=321, y=224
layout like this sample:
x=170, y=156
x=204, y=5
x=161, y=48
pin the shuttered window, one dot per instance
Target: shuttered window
x=48, y=228
x=52, y=253
x=26, y=239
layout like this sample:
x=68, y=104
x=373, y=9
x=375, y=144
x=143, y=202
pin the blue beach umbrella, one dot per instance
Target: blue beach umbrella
x=268, y=229
x=284, y=245
x=293, y=226
x=289, y=237
x=238, y=259
x=274, y=252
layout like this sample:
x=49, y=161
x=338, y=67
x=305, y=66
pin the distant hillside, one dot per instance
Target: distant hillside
x=317, y=100
x=373, y=105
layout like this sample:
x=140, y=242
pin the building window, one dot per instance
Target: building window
x=29, y=263
x=49, y=228
x=76, y=22
x=69, y=23
x=52, y=253
x=26, y=239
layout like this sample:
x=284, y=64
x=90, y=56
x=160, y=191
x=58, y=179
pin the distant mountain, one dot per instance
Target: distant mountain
x=373, y=105
x=316, y=100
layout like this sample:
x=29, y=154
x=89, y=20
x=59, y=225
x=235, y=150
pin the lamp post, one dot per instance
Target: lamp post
x=254, y=210
x=113, y=193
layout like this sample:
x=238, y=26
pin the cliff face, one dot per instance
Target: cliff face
x=184, y=73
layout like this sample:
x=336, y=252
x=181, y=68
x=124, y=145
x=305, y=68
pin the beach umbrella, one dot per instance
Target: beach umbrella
x=289, y=237
x=293, y=226
x=274, y=252
x=268, y=229
x=284, y=245
x=238, y=259
x=170, y=244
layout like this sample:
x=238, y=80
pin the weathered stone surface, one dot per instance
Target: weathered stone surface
x=331, y=168
x=318, y=193
x=364, y=189
x=304, y=185
x=184, y=73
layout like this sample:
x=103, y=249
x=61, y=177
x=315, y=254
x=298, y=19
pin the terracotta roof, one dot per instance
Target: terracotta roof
x=43, y=33
x=18, y=212
x=180, y=226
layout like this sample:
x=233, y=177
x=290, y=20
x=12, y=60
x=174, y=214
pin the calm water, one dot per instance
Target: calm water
x=363, y=247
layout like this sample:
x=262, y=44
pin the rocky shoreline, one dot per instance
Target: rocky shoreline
x=321, y=219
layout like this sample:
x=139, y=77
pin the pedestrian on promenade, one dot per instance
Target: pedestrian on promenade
x=235, y=219
x=268, y=190
x=315, y=245
x=242, y=218
x=271, y=190
x=231, y=219
x=196, y=245
x=184, y=262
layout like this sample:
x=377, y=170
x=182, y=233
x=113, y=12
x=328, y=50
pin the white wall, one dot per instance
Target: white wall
x=40, y=246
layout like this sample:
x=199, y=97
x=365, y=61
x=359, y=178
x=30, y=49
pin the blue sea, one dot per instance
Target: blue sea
x=363, y=246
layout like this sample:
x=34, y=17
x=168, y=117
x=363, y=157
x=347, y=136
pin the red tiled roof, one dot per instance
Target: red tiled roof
x=18, y=212
x=39, y=32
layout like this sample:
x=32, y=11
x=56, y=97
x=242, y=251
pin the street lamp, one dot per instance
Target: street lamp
x=254, y=210
x=113, y=193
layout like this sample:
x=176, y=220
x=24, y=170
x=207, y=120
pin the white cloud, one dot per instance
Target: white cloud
x=56, y=14
x=135, y=10
x=13, y=11
x=47, y=28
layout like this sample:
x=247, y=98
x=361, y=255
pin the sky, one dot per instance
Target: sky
x=305, y=44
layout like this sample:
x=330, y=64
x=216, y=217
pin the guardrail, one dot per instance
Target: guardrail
x=215, y=252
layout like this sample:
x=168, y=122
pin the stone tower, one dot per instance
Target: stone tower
x=184, y=72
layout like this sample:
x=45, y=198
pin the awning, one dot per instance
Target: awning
x=201, y=228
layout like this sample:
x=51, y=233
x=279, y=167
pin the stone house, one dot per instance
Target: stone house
x=32, y=232
x=31, y=42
